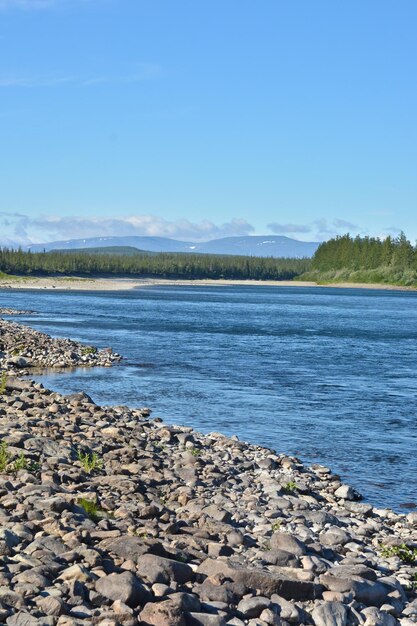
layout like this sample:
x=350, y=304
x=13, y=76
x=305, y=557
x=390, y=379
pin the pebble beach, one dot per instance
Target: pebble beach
x=111, y=517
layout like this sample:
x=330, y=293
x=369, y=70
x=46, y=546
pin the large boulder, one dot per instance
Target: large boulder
x=288, y=543
x=330, y=614
x=124, y=587
x=157, y=569
x=264, y=582
x=162, y=614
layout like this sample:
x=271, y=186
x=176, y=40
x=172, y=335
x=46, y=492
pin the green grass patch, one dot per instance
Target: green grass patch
x=8, y=465
x=406, y=554
x=379, y=276
x=290, y=487
x=4, y=457
x=88, y=350
x=93, y=510
x=3, y=383
x=4, y=276
x=90, y=461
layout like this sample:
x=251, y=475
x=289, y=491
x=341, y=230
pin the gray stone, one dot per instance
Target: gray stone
x=8, y=541
x=127, y=547
x=266, y=583
x=287, y=609
x=345, y=492
x=330, y=614
x=124, y=587
x=334, y=536
x=217, y=513
x=412, y=518
x=226, y=592
x=19, y=361
x=185, y=601
x=340, y=584
x=288, y=543
x=280, y=557
x=157, y=569
x=204, y=619
x=253, y=607
x=162, y=614
x=375, y=617
x=370, y=593
x=51, y=544
x=32, y=576
x=22, y=619
x=359, y=508
x=270, y=617
x=50, y=605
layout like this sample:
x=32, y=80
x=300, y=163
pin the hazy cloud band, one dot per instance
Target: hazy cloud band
x=23, y=229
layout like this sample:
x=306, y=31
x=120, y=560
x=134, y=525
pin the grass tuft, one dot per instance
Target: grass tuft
x=290, y=487
x=9, y=465
x=90, y=461
x=3, y=383
x=406, y=554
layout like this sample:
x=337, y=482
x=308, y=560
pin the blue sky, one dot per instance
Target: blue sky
x=198, y=119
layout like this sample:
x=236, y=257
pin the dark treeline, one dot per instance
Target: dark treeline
x=365, y=253
x=167, y=265
x=367, y=259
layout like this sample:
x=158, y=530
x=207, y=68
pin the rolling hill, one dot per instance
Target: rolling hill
x=252, y=245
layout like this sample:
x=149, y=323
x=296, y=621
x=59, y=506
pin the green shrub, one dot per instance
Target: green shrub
x=7, y=464
x=3, y=383
x=93, y=510
x=88, y=350
x=90, y=461
x=290, y=487
x=4, y=457
x=90, y=507
x=406, y=554
x=20, y=463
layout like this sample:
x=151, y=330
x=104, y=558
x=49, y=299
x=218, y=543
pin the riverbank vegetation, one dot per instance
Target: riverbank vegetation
x=365, y=260
x=342, y=259
x=158, y=265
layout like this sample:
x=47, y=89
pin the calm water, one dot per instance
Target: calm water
x=327, y=374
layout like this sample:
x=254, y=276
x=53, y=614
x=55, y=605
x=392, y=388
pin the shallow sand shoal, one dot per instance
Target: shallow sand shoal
x=75, y=283
x=120, y=284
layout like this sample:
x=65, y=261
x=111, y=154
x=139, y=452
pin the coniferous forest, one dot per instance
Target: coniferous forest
x=161, y=265
x=365, y=259
x=341, y=259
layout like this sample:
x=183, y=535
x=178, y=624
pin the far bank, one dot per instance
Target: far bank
x=78, y=283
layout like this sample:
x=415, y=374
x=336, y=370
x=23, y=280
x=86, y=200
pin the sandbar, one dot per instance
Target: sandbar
x=76, y=283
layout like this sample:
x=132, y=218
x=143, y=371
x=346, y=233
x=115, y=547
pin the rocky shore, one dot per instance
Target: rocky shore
x=24, y=348
x=109, y=517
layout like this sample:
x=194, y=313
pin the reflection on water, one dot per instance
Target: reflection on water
x=329, y=374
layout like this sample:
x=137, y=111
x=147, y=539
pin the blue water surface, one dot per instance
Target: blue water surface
x=327, y=374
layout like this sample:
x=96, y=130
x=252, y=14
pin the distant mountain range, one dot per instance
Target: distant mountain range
x=252, y=245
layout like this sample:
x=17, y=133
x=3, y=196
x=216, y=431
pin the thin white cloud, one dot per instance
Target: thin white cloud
x=344, y=224
x=142, y=71
x=280, y=228
x=38, y=81
x=28, y=5
x=36, y=5
x=392, y=230
x=24, y=229
x=319, y=229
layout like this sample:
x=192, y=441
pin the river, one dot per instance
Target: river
x=329, y=375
